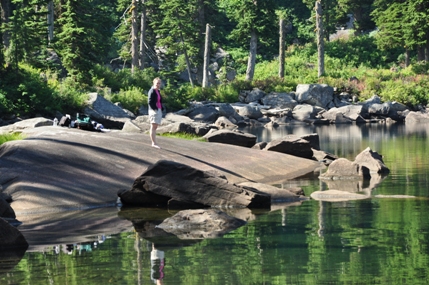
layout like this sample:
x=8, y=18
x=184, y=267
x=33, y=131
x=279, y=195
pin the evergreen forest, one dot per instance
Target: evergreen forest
x=54, y=52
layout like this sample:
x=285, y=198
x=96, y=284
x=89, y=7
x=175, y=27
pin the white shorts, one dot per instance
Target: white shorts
x=155, y=116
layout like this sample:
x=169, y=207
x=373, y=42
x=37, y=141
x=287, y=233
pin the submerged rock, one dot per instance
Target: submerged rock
x=337, y=196
x=199, y=224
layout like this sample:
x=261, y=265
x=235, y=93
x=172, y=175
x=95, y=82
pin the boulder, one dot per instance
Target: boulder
x=305, y=112
x=224, y=122
x=251, y=112
x=225, y=109
x=341, y=119
x=10, y=237
x=417, y=117
x=251, y=96
x=200, y=224
x=349, y=111
x=260, y=145
x=313, y=139
x=233, y=137
x=372, y=161
x=105, y=112
x=184, y=183
x=378, y=109
x=292, y=145
x=207, y=114
x=315, y=94
x=366, y=164
x=195, y=128
x=323, y=156
x=279, y=100
x=342, y=168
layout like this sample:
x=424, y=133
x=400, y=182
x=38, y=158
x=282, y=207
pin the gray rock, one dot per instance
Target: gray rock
x=349, y=111
x=342, y=168
x=225, y=109
x=250, y=112
x=233, y=137
x=133, y=127
x=292, y=145
x=248, y=96
x=372, y=161
x=200, y=224
x=207, y=114
x=184, y=183
x=341, y=119
x=313, y=139
x=280, y=100
x=379, y=109
x=260, y=145
x=314, y=94
x=195, y=128
x=366, y=164
x=223, y=122
x=336, y=196
x=105, y=112
x=305, y=112
x=417, y=117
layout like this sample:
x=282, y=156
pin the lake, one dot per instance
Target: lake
x=380, y=240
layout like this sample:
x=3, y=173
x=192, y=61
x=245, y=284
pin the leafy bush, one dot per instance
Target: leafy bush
x=10, y=137
x=421, y=67
x=26, y=93
x=131, y=99
x=409, y=91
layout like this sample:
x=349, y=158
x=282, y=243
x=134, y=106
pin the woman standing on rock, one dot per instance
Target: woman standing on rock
x=155, y=109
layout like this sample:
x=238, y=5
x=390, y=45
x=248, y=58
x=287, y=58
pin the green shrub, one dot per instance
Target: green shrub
x=131, y=99
x=409, y=91
x=10, y=137
x=421, y=67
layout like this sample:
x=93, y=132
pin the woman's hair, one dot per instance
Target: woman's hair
x=155, y=80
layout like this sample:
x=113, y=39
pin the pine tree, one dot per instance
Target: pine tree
x=255, y=20
x=85, y=36
x=178, y=34
x=27, y=27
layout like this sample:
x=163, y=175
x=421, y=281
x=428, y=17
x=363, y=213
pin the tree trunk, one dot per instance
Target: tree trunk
x=282, y=49
x=50, y=21
x=188, y=63
x=427, y=51
x=407, y=58
x=320, y=40
x=252, y=56
x=5, y=14
x=143, y=26
x=206, y=57
x=420, y=53
x=134, y=37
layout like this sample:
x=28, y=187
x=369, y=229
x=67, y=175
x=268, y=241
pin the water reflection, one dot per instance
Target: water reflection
x=342, y=140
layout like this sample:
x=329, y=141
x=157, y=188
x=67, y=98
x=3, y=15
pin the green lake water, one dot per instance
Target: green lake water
x=373, y=241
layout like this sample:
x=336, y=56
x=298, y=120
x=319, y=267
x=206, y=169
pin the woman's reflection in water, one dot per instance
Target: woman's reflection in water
x=157, y=265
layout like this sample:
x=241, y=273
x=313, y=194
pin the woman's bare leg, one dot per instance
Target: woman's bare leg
x=152, y=133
